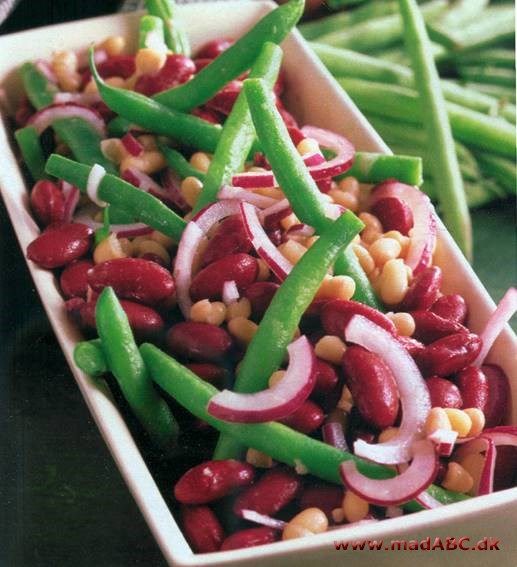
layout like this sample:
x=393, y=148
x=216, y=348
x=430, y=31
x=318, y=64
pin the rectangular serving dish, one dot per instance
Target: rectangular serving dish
x=314, y=98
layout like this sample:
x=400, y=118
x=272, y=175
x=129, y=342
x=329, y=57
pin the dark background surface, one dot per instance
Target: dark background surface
x=63, y=500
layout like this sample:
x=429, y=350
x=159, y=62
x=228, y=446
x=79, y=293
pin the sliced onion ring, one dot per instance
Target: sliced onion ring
x=427, y=501
x=95, y=177
x=72, y=195
x=230, y=292
x=423, y=233
x=402, y=488
x=496, y=323
x=240, y=194
x=276, y=402
x=278, y=263
x=444, y=440
x=121, y=230
x=44, y=118
x=413, y=391
x=262, y=519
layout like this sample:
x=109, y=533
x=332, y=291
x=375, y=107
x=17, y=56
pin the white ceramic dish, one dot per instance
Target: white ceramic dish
x=314, y=98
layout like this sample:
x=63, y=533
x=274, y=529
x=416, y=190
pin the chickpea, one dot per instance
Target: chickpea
x=308, y=522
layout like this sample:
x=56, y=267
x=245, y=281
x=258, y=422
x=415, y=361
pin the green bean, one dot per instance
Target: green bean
x=478, y=192
x=500, y=169
x=296, y=181
x=336, y=22
x=460, y=14
x=468, y=126
x=338, y=4
x=499, y=92
x=281, y=320
x=175, y=35
x=496, y=56
x=89, y=357
x=373, y=168
x=346, y=63
x=151, y=34
x=76, y=133
x=508, y=112
x=126, y=364
x=280, y=442
x=444, y=161
x=496, y=25
x=239, y=57
x=489, y=75
x=103, y=231
x=32, y=152
x=238, y=132
x=179, y=163
x=141, y=206
x=378, y=33
x=149, y=113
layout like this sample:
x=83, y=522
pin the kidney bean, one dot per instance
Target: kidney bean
x=326, y=497
x=47, y=202
x=149, y=256
x=372, y=385
x=505, y=474
x=212, y=480
x=326, y=378
x=133, y=278
x=214, y=48
x=60, y=244
x=414, y=347
x=394, y=214
x=74, y=278
x=208, y=283
x=424, y=290
x=430, y=327
x=452, y=307
x=177, y=70
x=272, y=492
x=202, y=528
x=336, y=314
x=143, y=320
x=444, y=393
x=473, y=385
x=306, y=419
x=273, y=221
x=250, y=538
x=449, y=355
x=209, y=372
x=224, y=100
x=201, y=63
x=275, y=235
x=198, y=341
x=230, y=238
x=499, y=395
x=260, y=295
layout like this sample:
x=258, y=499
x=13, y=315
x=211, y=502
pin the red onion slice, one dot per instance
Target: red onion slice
x=414, y=394
x=195, y=231
x=45, y=68
x=132, y=145
x=496, y=323
x=299, y=232
x=334, y=435
x=240, y=194
x=423, y=233
x=402, y=488
x=230, y=292
x=254, y=179
x=44, y=118
x=279, y=207
x=95, y=177
x=278, y=263
x=121, y=230
x=486, y=481
x=77, y=98
x=427, y=501
x=72, y=195
x=263, y=520
x=276, y=402
x=444, y=440
x=171, y=182
x=344, y=150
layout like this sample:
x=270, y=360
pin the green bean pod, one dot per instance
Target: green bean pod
x=150, y=33
x=125, y=362
x=32, y=152
x=296, y=181
x=238, y=132
x=175, y=35
x=282, y=317
x=139, y=205
x=178, y=163
x=89, y=357
x=279, y=441
x=371, y=167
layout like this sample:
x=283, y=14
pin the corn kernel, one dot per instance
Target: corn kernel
x=477, y=418
x=191, y=189
x=308, y=146
x=330, y=348
x=404, y=323
x=240, y=308
x=457, y=479
x=437, y=419
x=108, y=249
x=308, y=522
x=200, y=161
x=292, y=250
x=354, y=507
x=474, y=464
x=258, y=459
x=242, y=329
x=460, y=421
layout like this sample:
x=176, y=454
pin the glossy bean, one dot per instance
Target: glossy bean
x=444, y=393
x=260, y=295
x=306, y=419
x=430, y=327
x=272, y=492
x=177, y=70
x=209, y=372
x=214, y=48
x=208, y=283
x=60, y=244
x=47, y=202
x=449, y=355
x=212, y=480
x=324, y=496
x=473, y=385
x=372, y=385
x=326, y=378
x=202, y=528
x=198, y=341
x=452, y=307
x=394, y=214
x=133, y=278
x=250, y=538
x=74, y=278
x=499, y=395
x=424, y=290
x=230, y=238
